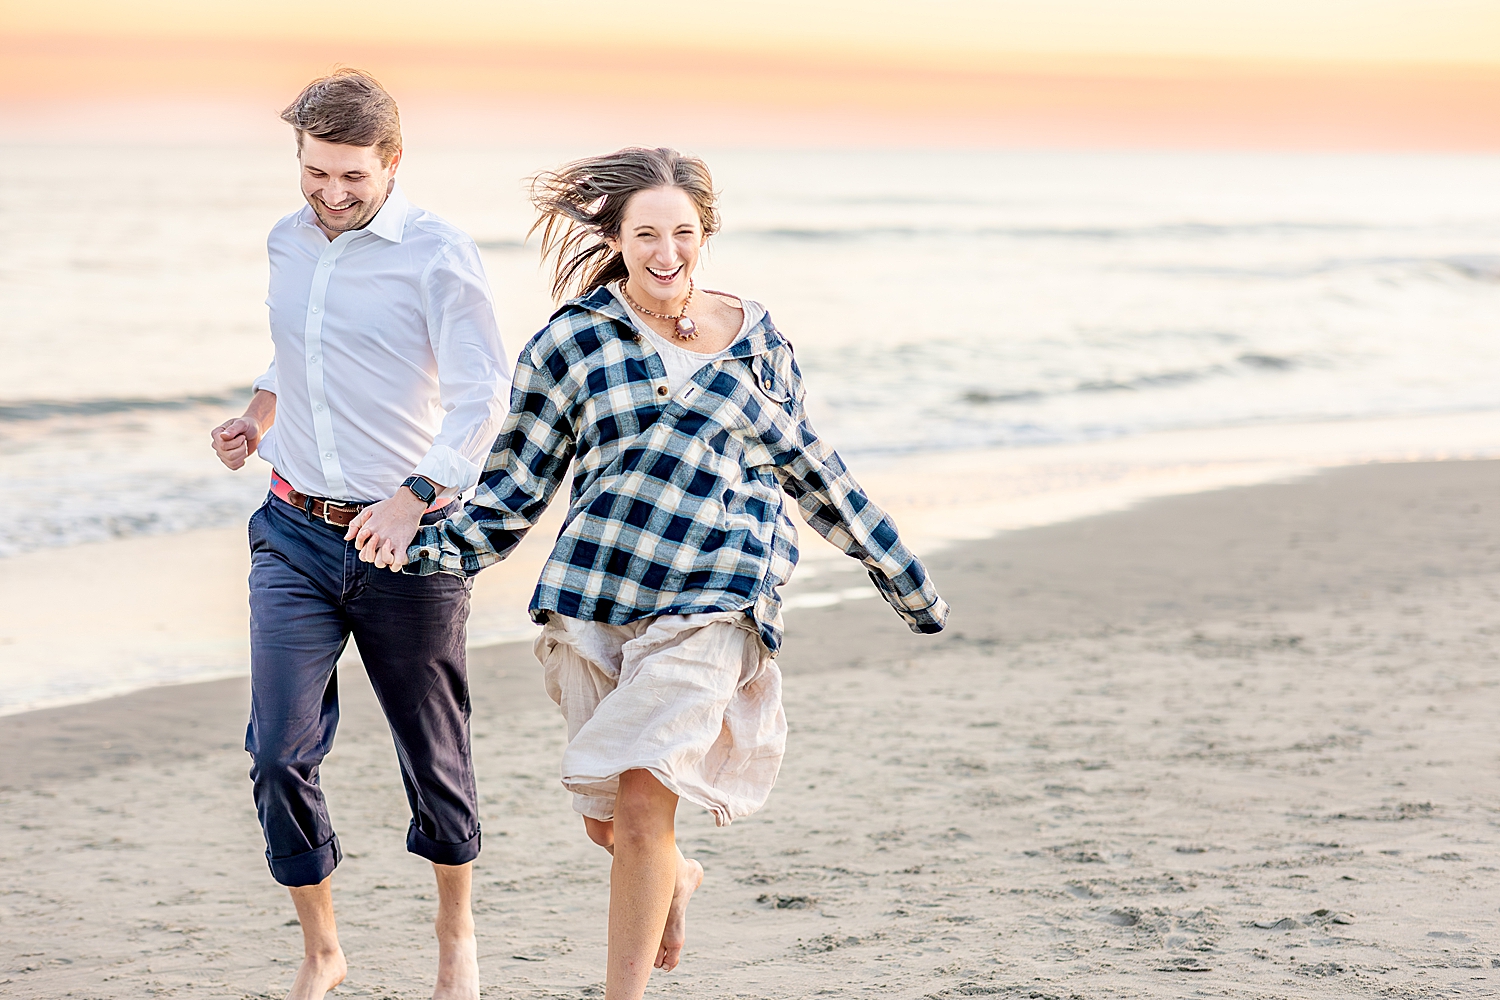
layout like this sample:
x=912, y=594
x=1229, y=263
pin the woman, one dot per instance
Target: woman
x=681, y=412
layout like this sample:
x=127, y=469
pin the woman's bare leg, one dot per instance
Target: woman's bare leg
x=642, y=881
x=689, y=877
x=601, y=832
x=323, y=965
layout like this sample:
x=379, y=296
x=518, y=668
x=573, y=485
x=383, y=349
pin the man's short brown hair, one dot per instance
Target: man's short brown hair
x=348, y=107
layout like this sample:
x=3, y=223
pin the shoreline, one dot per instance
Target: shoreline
x=1237, y=742
x=136, y=593
x=36, y=742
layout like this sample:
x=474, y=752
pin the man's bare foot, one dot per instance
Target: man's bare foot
x=674, y=936
x=458, y=968
x=319, y=973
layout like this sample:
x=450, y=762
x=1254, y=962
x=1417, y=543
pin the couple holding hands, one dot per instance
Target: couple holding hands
x=680, y=412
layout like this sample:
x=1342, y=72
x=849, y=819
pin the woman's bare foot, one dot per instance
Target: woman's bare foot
x=674, y=936
x=318, y=974
x=458, y=969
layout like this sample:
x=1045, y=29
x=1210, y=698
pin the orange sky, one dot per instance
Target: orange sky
x=1398, y=74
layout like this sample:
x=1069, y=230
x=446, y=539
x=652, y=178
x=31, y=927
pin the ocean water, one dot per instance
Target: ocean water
x=937, y=301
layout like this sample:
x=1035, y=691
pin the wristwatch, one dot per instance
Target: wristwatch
x=421, y=488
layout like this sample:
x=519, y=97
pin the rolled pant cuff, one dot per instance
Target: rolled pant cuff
x=440, y=853
x=308, y=868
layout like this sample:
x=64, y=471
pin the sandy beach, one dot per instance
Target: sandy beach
x=1236, y=743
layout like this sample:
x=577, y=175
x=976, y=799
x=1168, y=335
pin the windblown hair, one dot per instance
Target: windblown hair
x=582, y=204
x=348, y=107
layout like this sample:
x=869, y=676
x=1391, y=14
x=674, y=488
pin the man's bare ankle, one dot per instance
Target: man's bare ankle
x=321, y=971
x=454, y=932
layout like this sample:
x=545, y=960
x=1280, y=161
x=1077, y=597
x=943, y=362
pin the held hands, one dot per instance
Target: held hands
x=383, y=530
x=235, y=440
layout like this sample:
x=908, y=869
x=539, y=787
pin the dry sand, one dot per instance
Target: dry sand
x=1233, y=744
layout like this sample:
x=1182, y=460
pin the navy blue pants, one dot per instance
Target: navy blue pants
x=309, y=593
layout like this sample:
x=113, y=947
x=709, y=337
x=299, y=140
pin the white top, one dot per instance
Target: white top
x=388, y=359
x=681, y=363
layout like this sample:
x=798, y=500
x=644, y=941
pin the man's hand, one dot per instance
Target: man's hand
x=235, y=440
x=383, y=530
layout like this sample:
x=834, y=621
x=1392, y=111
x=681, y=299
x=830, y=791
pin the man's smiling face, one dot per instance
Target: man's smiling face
x=345, y=185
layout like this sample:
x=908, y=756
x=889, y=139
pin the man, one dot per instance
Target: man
x=386, y=392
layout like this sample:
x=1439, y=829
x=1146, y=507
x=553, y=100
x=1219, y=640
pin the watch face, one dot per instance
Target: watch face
x=422, y=488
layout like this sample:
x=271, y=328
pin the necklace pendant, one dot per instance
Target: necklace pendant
x=686, y=328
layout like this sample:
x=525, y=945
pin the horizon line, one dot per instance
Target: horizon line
x=1033, y=101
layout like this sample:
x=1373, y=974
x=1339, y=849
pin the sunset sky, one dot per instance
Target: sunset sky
x=1420, y=74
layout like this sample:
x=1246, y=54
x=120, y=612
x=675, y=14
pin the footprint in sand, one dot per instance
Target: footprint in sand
x=1284, y=924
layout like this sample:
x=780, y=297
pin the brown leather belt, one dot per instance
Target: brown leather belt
x=335, y=512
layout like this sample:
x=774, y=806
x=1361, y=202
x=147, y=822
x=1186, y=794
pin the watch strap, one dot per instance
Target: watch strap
x=421, y=488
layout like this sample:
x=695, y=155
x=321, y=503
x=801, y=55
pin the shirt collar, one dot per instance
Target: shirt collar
x=389, y=223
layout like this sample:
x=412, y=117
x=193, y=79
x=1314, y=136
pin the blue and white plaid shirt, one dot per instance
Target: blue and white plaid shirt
x=676, y=504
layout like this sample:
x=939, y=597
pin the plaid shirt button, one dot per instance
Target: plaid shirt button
x=661, y=390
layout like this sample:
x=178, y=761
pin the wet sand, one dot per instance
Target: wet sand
x=170, y=608
x=1238, y=743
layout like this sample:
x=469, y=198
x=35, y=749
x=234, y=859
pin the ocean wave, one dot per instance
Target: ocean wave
x=1477, y=267
x=18, y=411
x=1153, y=380
x=501, y=244
x=1185, y=230
x=163, y=502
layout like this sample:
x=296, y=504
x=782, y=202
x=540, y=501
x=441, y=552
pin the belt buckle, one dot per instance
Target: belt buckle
x=328, y=505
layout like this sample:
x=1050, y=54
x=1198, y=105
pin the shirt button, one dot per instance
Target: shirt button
x=327, y=454
x=315, y=308
x=319, y=407
x=325, y=263
x=768, y=383
x=313, y=359
x=661, y=390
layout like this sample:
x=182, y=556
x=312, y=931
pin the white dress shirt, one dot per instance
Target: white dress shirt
x=388, y=360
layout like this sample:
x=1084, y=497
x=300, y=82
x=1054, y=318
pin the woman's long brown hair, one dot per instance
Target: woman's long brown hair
x=582, y=204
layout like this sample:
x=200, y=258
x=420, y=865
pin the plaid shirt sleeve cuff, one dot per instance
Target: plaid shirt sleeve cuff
x=918, y=603
x=431, y=553
x=425, y=556
x=928, y=620
x=459, y=546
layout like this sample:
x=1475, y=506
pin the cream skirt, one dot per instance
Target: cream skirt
x=694, y=699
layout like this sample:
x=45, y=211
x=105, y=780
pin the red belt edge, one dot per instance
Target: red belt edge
x=283, y=491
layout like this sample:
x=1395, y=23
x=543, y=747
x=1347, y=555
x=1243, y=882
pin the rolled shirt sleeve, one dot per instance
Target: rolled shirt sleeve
x=266, y=381
x=472, y=384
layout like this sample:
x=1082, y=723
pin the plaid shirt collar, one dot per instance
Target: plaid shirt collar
x=761, y=338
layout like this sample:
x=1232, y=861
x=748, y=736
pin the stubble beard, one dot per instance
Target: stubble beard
x=349, y=223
